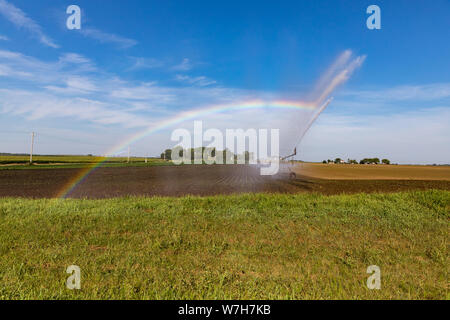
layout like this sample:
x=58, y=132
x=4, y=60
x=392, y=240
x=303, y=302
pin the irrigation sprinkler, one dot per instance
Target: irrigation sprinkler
x=292, y=174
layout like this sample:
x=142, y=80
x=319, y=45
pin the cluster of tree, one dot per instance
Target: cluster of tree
x=374, y=161
x=209, y=153
x=363, y=161
x=337, y=160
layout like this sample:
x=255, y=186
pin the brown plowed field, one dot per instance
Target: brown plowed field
x=373, y=172
x=183, y=180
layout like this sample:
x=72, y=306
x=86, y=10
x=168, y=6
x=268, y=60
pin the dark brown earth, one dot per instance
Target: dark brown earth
x=183, y=180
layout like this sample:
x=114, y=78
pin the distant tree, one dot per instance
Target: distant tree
x=337, y=160
x=385, y=161
x=228, y=156
x=162, y=155
x=370, y=161
x=324, y=161
x=351, y=161
x=247, y=157
x=168, y=154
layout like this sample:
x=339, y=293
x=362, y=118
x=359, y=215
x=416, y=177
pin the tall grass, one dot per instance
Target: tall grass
x=253, y=246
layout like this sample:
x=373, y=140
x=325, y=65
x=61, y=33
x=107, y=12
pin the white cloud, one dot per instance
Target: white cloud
x=70, y=79
x=40, y=105
x=145, y=91
x=81, y=83
x=24, y=67
x=406, y=92
x=185, y=65
x=21, y=20
x=4, y=38
x=140, y=63
x=66, y=91
x=7, y=71
x=104, y=37
x=74, y=85
x=74, y=58
x=198, y=81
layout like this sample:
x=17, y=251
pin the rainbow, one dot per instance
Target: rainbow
x=179, y=118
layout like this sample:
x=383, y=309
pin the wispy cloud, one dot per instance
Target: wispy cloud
x=21, y=20
x=143, y=92
x=7, y=71
x=35, y=106
x=403, y=93
x=58, y=87
x=140, y=63
x=4, y=38
x=74, y=58
x=185, y=65
x=75, y=85
x=104, y=37
x=70, y=78
x=198, y=81
x=67, y=91
x=28, y=68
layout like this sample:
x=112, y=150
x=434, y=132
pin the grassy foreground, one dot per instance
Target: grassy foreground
x=227, y=247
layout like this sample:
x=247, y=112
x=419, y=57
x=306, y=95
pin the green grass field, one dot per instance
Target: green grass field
x=67, y=161
x=251, y=246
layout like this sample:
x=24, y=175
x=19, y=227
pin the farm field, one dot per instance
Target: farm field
x=224, y=159
x=67, y=161
x=373, y=172
x=184, y=180
x=250, y=246
x=221, y=232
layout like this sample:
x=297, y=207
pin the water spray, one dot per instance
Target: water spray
x=292, y=174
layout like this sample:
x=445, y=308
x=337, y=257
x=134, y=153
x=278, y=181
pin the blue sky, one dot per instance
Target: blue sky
x=136, y=63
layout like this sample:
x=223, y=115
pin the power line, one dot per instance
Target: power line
x=32, y=143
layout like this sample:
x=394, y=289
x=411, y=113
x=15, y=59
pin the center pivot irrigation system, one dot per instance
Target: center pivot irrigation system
x=289, y=159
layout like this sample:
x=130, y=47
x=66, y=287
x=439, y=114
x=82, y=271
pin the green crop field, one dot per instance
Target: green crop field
x=251, y=246
x=68, y=161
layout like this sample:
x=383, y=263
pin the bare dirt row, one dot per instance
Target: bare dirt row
x=187, y=180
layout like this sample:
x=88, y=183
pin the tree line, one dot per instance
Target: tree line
x=362, y=161
x=192, y=153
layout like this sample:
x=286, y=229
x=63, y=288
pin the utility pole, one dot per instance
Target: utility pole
x=32, y=143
